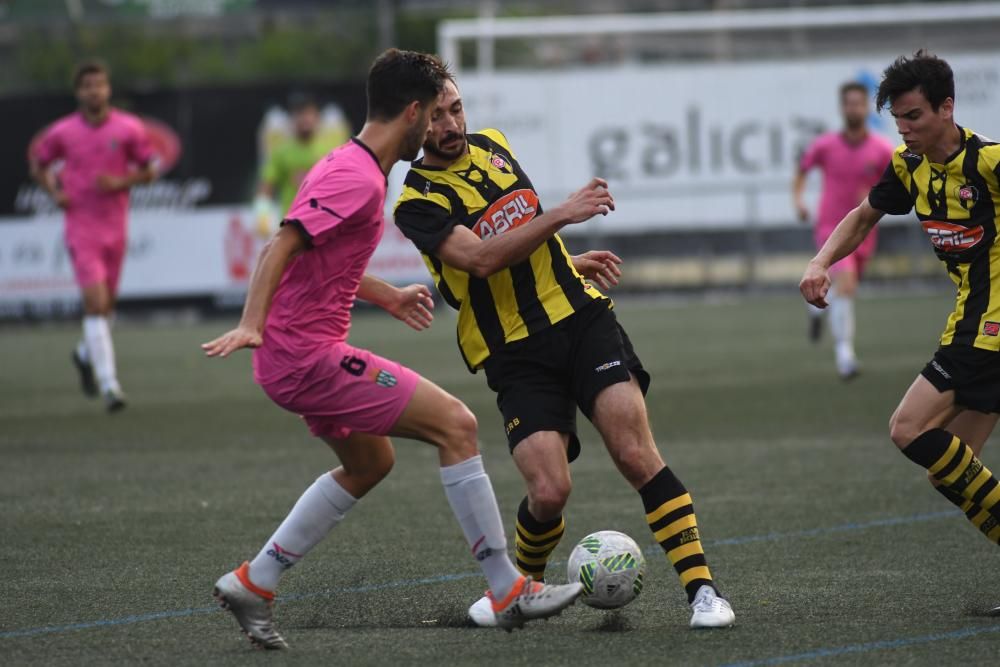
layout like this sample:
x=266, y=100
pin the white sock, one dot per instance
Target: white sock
x=471, y=497
x=317, y=511
x=81, y=351
x=842, y=328
x=100, y=350
x=814, y=311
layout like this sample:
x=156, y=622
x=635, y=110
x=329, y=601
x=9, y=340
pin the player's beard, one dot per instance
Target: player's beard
x=854, y=123
x=95, y=108
x=432, y=148
x=411, y=144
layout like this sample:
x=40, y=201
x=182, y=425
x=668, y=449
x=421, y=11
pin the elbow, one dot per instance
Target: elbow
x=480, y=265
x=481, y=268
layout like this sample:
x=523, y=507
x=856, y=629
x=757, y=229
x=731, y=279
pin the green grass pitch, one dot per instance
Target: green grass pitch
x=832, y=547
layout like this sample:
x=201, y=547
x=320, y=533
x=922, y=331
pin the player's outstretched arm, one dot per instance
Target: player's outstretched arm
x=271, y=264
x=44, y=177
x=464, y=250
x=848, y=235
x=798, y=198
x=599, y=266
x=411, y=304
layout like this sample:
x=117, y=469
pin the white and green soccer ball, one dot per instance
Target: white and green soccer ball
x=610, y=565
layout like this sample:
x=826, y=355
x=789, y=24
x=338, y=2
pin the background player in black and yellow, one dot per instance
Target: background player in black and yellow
x=547, y=340
x=951, y=176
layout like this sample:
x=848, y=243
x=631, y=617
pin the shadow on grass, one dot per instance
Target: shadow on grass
x=613, y=621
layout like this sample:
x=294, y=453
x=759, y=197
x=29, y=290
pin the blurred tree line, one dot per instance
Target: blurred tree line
x=322, y=45
x=152, y=44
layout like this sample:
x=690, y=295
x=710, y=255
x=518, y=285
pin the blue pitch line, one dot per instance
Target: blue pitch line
x=196, y=611
x=842, y=528
x=125, y=620
x=866, y=648
x=370, y=588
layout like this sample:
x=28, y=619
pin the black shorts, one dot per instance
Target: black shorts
x=973, y=374
x=541, y=380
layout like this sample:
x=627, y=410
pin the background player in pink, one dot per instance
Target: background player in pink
x=103, y=152
x=298, y=315
x=852, y=161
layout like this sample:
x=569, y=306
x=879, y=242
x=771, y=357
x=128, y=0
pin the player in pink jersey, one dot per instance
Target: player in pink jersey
x=103, y=152
x=852, y=161
x=297, y=316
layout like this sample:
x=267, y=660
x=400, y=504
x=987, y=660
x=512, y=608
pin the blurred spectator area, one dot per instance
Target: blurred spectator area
x=167, y=43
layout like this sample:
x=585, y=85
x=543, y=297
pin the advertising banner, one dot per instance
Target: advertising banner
x=691, y=145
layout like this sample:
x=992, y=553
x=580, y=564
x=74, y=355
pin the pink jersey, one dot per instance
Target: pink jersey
x=849, y=172
x=340, y=207
x=89, y=151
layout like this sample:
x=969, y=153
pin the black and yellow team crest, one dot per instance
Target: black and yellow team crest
x=958, y=205
x=488, y=192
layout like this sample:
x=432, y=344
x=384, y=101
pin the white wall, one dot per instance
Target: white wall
x=691, y=145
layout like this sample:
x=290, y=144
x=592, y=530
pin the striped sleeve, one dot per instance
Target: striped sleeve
x=890, y=195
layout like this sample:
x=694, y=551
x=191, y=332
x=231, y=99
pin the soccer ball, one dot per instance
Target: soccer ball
x=610, y=565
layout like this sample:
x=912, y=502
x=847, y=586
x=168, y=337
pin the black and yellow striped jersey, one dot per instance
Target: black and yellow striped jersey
x=488, y=192
x=958, y=205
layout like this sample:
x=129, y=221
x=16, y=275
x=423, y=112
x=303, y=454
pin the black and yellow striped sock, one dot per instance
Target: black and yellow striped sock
x=535, y=541
x=670, y=514
x=977, y=516
x=953, y=464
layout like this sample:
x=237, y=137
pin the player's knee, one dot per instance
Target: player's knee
x=901, y=431
x=383, y=465
x=548, y=497
x=635, y=457
x=461, y=430
x=94, y=307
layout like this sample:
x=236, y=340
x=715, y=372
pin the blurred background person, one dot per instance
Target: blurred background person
x=851, y=160
x=292, y=144
x=101, y=152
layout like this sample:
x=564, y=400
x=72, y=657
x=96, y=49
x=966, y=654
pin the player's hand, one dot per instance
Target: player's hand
x=815, y=284
x=802, y=211
x=592, y=199
x=413, y=307
x=599, y=266
x=61, y=199
x=263, y=211
x=227, y=343
x=111, y=183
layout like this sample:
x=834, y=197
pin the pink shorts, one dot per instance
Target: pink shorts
x=857, y=260
x=347, y=389
x=96, y=261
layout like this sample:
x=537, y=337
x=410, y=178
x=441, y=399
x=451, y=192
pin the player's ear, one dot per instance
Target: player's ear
x=947, y=108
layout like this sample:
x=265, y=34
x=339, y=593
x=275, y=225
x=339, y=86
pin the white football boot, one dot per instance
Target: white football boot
x=114, y=399
x=530, y=600
x=709, y=610
x=481, y=612
x=250, y=605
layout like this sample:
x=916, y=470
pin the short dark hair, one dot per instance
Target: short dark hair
x=88, y=67
x=924, y=71
x=300, y=100
x=398, y=78
x=852, y=87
